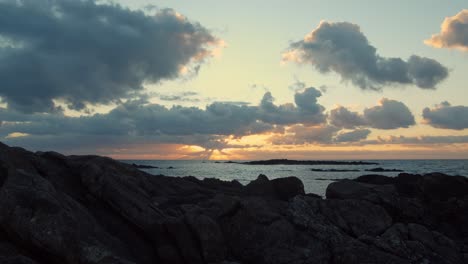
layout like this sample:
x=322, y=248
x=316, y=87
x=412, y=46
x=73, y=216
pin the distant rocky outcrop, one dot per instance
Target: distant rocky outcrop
x=139, y=166
x=333, y=170
x=305, y=162
x=89, y=209
x=384, y=170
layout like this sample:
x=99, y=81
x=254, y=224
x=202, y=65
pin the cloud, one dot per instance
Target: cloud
x=353, y=136
x=306, y=101
x=329, y=135
x=420, y=140
x=115, y=145
x=300, y=135
x=446, y=116
x=453, y=33
x=344, y=49
x=240, y=103
x=297, y=85
x=319, y=134
x=179, y=97
x=342, y=117
x=82, y=52
x=141, y=121
x=134, y=118
x=306, y=110
x=388, y=114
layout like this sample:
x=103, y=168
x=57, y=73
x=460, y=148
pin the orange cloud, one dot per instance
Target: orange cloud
x=453, y=34
x=156, y=152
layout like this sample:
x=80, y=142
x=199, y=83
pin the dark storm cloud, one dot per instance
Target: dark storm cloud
x=141, y=120
x=82, y=52
x=446, y=116
x=344, y=49
x=453, y=34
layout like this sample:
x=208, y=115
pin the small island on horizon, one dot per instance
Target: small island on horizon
x=299, y=162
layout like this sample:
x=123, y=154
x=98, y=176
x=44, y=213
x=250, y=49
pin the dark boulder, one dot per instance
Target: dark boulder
x=262, y=186
x=286, y=188
x=280, y=188
x=375, y=179
x=356, y=217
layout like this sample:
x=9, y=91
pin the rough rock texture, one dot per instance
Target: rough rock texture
x=89, y=209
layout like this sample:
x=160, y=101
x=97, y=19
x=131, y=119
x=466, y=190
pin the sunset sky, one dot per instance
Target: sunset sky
x=178, y=79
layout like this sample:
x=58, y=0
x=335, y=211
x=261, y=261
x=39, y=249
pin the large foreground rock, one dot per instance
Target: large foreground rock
x=90, y=209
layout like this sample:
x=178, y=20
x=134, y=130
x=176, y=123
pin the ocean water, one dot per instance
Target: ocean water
x=314, y=182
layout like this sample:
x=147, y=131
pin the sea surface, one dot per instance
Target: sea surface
x=314, y=181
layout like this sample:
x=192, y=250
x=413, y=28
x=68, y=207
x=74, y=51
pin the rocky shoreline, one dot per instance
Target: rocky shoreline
x=90, y=209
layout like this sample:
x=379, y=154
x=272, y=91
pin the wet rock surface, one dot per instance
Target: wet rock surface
x=90, y=209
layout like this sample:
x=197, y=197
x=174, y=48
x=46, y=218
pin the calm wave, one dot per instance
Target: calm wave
x=314, y=181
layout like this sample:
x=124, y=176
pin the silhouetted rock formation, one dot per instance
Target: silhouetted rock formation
x=383, y=170
x=139, y=166
x=332, y=170
x=226, y=162
x=89, y=209
x=305, y=162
